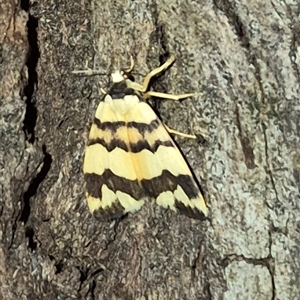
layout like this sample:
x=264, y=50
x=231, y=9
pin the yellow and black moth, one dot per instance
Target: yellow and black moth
x=130, y=157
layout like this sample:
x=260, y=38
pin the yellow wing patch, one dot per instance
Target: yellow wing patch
x=130, y=157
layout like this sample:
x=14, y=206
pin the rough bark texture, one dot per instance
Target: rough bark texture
x=244, y=56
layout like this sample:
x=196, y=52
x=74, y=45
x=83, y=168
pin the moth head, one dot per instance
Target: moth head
x=123, y=74
x=118, y=76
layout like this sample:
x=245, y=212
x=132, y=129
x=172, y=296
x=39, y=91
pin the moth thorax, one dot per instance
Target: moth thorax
x=117, y=76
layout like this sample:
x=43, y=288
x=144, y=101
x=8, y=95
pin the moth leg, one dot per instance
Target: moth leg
x=143, y=87
x=167, y=96
x=156, y=71
x=172, y=131
x=88, y=72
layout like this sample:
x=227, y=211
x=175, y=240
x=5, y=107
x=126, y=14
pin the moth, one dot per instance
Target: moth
x=130, y=157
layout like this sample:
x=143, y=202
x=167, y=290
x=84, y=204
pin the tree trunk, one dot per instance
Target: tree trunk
x=244, y=58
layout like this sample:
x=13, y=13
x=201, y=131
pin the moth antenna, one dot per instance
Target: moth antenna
x=130, y=69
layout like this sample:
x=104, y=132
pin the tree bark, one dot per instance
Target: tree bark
x=244, y=58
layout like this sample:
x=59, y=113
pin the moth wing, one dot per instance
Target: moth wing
x=112, y=187
x=160, y=167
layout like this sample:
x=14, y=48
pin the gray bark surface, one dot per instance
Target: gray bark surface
x=244, y=57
